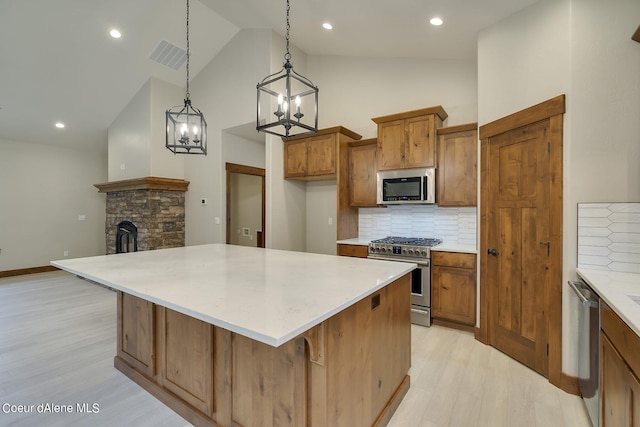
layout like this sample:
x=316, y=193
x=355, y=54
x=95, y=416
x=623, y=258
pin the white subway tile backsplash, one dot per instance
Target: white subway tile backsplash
x=453, y=225
x=609, y=236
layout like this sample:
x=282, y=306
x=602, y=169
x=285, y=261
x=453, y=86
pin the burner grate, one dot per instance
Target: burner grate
x=414, y=241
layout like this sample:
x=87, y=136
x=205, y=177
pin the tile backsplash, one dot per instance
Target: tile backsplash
x=452, y=225
x=609, y=236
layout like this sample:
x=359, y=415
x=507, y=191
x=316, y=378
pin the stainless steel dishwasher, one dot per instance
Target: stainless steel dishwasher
x=589, y=348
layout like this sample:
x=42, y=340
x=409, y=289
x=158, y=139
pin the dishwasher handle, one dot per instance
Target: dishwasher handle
x=583, y=291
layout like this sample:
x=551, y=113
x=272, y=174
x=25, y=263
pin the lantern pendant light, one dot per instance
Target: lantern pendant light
x=287, y=101
x=186, y=126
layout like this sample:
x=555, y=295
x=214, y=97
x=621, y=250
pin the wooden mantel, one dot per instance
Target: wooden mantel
x=146, y=183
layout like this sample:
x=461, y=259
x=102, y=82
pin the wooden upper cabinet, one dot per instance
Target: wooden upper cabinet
x=362, y=173
x=408, y=140
x=391, y=145
x=321, y=159
x=315, y=157
x=457, y=171
x=295, y=159
x=421, y=142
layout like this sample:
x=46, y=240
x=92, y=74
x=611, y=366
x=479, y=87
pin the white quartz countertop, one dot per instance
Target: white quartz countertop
x=267, y=295
x=617, y=290
x=445, y=247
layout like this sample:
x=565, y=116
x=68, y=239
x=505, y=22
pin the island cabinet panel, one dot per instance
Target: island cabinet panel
x=136, y=322
x=269, y=384
x=368, y=355
x=187, y=365
x=619, y=368
x=349, y=370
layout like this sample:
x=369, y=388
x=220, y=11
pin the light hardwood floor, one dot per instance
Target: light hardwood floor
x=58, y=339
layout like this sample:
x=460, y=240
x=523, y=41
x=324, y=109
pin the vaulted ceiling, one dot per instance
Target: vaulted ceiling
x=58, y=62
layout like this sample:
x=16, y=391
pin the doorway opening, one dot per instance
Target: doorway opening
x=245, y=205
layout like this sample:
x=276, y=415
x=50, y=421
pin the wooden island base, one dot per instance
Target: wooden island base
x=350, y=370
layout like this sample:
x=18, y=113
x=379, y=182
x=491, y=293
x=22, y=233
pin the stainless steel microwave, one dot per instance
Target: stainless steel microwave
x=407, y=186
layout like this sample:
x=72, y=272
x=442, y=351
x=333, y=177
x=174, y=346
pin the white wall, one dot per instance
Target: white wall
x=225, y=92
x=43, y=190
x=354, y=90
x=137, y=136
x=322, y=207
x=129, y=138
x=581, y=48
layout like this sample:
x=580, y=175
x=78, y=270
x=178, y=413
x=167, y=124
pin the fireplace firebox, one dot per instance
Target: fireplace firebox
x=126, y=237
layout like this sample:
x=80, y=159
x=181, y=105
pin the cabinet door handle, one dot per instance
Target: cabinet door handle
x=492, y=252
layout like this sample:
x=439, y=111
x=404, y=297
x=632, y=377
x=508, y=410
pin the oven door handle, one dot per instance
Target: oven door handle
x=422, y=262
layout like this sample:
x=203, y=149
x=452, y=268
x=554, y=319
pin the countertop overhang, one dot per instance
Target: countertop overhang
x=267, y=295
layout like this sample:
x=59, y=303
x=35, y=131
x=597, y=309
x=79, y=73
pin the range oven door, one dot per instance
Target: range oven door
x=420, y=289
x=421, y=294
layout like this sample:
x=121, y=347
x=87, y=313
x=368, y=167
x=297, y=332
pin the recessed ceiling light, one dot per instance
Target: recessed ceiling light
x=327, y=26
x=115, y=34
x=60, y=125
x=436, y=21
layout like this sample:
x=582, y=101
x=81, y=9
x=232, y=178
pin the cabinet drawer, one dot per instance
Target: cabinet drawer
x=453, y=259
x=358, y=251
x=622, y=337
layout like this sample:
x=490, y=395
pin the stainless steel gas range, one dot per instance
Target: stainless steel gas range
x=415, y=250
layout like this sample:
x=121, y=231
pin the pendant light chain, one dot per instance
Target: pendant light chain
x=188, y=54
x=186, y=126
x=287, y=56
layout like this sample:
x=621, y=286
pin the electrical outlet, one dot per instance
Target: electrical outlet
x=203, y=202
x=216, y=220
x=246, y=231
x=330, y=221
x=122, y=166
x=66, y=253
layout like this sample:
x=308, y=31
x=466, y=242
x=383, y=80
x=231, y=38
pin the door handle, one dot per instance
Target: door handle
x=492, y=252
x=548, y=245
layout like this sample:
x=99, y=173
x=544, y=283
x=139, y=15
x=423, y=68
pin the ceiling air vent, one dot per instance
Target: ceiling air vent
x=169, y=55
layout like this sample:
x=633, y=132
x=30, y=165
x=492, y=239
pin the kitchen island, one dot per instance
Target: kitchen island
x=229, y=335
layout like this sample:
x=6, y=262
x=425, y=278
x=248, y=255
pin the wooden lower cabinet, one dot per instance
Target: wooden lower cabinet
x=453, y=287
x=350, y=370
x=620, y=360
x=357, y=251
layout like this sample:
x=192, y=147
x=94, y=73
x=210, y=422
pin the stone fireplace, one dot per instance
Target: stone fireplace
x=154, y=206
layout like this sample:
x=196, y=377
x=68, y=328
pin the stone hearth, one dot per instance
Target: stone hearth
x=154, y=205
